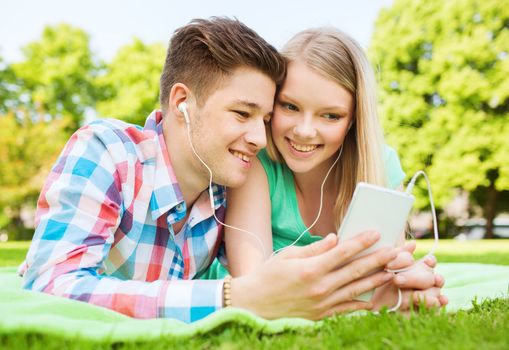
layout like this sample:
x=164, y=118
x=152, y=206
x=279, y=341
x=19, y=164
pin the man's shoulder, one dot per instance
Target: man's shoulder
x=120, y=137
x=116, y=130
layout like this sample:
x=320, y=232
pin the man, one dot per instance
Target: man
x=124, y=220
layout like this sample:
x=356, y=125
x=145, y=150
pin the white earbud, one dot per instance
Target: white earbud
x=182, y=107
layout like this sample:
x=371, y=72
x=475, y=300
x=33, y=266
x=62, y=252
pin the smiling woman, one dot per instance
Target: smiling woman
x=325, y=123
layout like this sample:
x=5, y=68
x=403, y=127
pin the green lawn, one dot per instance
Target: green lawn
x=483, y=327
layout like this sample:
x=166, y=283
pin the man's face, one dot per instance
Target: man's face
x=229, y=128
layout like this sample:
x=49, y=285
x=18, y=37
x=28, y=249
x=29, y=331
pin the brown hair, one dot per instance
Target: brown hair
x=204, y=52
x=338, y=57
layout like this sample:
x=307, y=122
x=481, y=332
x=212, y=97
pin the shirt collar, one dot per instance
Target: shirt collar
x=167, y=195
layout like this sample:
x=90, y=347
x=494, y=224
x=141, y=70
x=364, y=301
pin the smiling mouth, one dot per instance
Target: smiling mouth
x=302, y=148
x=241, y=156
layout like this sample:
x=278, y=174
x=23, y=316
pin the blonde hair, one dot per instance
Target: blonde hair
x=338, y=57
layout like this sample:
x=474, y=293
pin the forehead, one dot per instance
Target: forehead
x=245, y=84
x=313, y=88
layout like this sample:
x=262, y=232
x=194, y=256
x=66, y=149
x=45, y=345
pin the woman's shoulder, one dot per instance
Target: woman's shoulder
x=278, y=174
x=393, y=169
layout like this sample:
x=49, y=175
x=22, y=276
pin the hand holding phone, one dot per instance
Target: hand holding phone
x=375, y=208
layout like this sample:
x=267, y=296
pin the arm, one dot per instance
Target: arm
x=79, y=212
x=249, y=208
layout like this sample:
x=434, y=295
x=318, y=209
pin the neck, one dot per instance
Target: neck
x=308, y=184
x=191, y=176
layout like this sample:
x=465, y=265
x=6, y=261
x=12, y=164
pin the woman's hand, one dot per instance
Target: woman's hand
x=418, y=285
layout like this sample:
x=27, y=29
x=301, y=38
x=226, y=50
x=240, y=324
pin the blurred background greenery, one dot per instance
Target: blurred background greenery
x=442, y=69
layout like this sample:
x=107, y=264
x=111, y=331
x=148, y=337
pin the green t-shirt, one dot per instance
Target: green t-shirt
x=287, y=223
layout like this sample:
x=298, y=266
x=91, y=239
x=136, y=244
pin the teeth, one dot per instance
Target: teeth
x=241, y=156
x=303, y=148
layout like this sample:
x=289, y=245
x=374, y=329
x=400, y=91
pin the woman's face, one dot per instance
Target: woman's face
x=311, y=119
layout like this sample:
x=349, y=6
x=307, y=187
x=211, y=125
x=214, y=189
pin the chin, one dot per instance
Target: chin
x=231, y=181
x=299, y=167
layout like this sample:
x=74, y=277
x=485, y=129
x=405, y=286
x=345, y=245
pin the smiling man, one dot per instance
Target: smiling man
x=126, y=219
x=125, y=216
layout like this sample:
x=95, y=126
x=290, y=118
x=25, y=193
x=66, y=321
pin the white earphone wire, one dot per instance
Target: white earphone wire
x=183, y=109
x=319, y=209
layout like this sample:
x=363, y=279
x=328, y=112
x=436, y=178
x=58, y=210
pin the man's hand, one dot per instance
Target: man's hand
x=419, y=284
x=313, y=281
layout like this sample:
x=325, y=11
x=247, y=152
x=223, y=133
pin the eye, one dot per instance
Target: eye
x=331, y=116
x=289, y=106
x=242, y=114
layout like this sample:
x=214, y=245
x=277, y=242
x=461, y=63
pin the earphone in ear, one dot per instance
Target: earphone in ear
x=182, y=107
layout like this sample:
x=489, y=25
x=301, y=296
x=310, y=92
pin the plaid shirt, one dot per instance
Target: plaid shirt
x=104, y=233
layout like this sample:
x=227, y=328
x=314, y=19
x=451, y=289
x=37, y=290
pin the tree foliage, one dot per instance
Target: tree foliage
x=8, y=87
x=56, y=77
x=44, y=98
x=27, y=150
x=132, y=82
x=47, y=95
x=443, y=68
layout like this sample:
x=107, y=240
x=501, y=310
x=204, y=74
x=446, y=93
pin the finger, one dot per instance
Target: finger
x=346, y=250
x=420, y=277
x=363, y=267
x=346, y=307
x=428, y=297
x=439, y=281
x=443, y=300
x=403, y=260
x=410, y=247
x=352, y=290
x=431, y=261
x=313, y=249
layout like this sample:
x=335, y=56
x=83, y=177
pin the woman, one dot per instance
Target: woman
x=324, y=120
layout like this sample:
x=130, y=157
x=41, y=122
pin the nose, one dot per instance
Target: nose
x=256, y=135
x=304, y=127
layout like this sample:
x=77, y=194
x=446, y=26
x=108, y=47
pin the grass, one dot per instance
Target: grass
x=494, y=251
x=13, y=253
x=485, y=326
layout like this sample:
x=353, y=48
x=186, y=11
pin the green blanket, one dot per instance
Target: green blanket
x=24, y=310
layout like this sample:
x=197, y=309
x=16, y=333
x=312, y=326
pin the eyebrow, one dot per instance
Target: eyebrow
x=247, y=103
x=251, y=105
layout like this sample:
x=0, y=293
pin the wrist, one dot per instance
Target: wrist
x=236, y=290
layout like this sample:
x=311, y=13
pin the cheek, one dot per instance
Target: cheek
x=279, y=125
x=335, y=137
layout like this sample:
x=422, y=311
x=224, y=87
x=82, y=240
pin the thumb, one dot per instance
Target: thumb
x=313, y=249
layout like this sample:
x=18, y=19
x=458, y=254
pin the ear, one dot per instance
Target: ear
x=179, y=93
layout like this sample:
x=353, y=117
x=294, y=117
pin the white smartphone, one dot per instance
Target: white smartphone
x=375, y=208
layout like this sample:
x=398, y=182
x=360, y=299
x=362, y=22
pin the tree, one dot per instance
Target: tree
x=57, y=74
x=132, y=82
x=44, y=98
x=443, y=68
x=27, y=150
